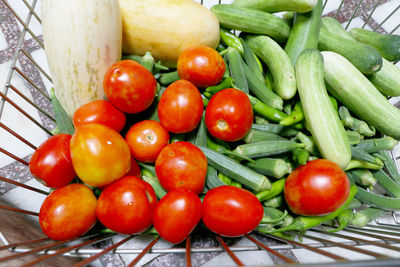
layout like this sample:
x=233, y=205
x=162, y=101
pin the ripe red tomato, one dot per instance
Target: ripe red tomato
x=181, y=165
x=126, y=206
x=180, y=107
x=229, y=115
x=99, y=154
x=146, y=139
x=177, y=214
x=51, y=163
x=231, y=211
x=129, y=86
x=68, y=212
x=201, y=65
x=317, y=188
x=99, y=111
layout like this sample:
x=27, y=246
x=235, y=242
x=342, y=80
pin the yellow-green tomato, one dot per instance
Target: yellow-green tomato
x=99, y=154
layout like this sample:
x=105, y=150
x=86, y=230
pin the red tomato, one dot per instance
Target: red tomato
x=51, y=163
x=317, y=188
x=135, y=169
x=99, y=111
x=231, y=211
x=129, y=86
x=229, y=115
x=201, y=65
x=180, y=107
x=99, y=154
x=146, y=139
x=177, y=214
x=68, y=212
x=126, y=206
x=181, y=165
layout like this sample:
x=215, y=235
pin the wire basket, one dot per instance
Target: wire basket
x=26, y=120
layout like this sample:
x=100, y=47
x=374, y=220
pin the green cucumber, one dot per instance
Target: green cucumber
x=278, y=5
x=251, y=21
x=387, y=79
x=304, y=33
x=325, y=126
x=236, y=171
x=388, y=45
x=278, y=62
x=359, y=95
x=365, y=58
x=332, y=25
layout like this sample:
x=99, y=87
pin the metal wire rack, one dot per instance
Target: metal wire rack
x=378, y=244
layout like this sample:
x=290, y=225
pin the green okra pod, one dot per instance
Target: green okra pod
x=273, y=215
x=389, y=164
x=261, y=90
x=354, y=163
x=267, y=148
x=274, y=202
x=355, y=124
x=212, y=179
x=254, y=136
x=388, y=183
x=236, y=171
x=363, y=177
x=168, y=78
x=236, y=69
x=377, y=144
x=378, y=201
x=252, y=61
x=354, y=137
x=363, y=217
x=359, y=154
x=274, y=167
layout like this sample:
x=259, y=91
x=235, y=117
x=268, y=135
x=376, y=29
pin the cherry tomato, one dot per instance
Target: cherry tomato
x=68, y=212
x=99, y=154
x=317, y=188
x=129, y=86
x=135, y=169
x=181, y=165
x=180, y=107
x=51, y=163
x=229, y=115
x=146, y=139
x=126, y=206
x=177, y=214
x=99, y=111
x=201, y=65
x=231, y=211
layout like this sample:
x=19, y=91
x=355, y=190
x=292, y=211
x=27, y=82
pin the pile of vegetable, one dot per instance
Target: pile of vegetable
x=285, y=126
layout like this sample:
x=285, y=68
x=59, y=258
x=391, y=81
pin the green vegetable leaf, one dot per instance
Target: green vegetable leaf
x=63, y=121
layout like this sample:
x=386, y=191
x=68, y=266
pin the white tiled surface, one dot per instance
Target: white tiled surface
x=15, y=120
